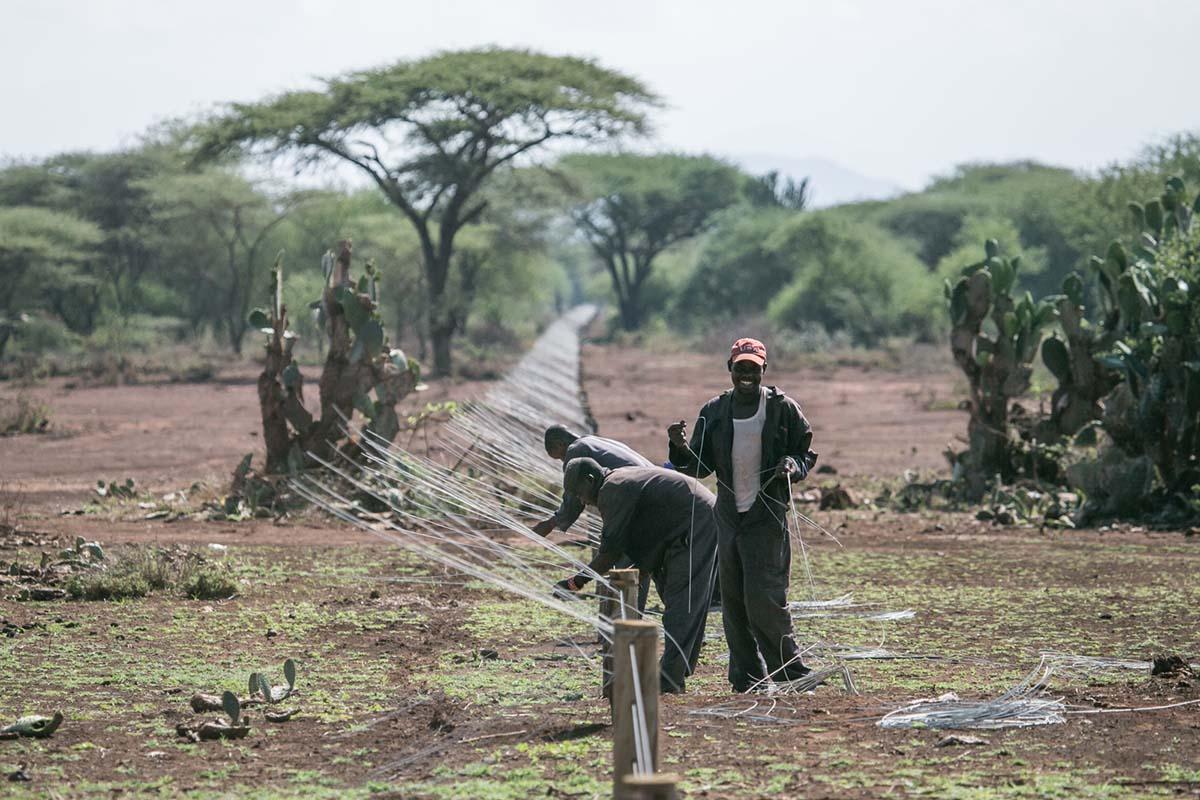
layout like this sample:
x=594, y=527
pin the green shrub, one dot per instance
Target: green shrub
x=42, y=334
x=852, y=277
x=156, y=569
x=208, y=581
x=932, y=221
x=108, y=585
x=736, y=273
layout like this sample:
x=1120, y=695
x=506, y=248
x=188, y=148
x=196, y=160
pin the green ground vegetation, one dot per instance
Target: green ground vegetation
x=372, y=632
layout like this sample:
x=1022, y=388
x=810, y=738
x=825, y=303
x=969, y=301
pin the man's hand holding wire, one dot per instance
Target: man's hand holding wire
x=789, y=469
x=677, y=433
x=569, y=588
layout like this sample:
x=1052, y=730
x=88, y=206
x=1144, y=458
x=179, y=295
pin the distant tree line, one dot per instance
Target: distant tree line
x=480, y=234
x=875, y=269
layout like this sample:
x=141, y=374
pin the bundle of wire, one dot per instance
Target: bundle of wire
x=1022, y=706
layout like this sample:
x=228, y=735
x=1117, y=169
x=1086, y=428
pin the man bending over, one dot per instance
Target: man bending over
x=664, y=521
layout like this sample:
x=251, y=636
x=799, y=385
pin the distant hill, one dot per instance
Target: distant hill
x=830, y=184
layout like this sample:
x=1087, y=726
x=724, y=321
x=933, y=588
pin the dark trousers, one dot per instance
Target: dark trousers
x=685, y=582
x=755, y=557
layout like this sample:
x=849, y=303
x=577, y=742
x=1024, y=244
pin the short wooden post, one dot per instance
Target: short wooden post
x=659, y=786
x=617, y=602
x=609, y=610
x=626, y=582
x=635, y=642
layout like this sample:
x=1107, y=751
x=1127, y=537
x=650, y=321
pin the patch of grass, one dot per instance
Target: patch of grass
x=521, y=681
x=571, y=769
x=1180, y=774
x=206, y=580
x=152, y=570
x=511, y=621
x=23, y=414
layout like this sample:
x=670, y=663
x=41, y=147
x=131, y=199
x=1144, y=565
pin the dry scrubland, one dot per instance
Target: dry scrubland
x=419, y=684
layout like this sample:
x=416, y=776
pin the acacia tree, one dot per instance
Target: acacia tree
x=236, y=220
x=39, y=251
x=102, y=188
x=109, y=189
x=634, y=207
x=430, y=132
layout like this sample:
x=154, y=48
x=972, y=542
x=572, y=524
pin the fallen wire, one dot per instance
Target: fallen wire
x=814, y=679
x=1132, y=708
x=1067, y=662
x=1019, y=707
x=872, y=616
x=769, y=711
x=845, y=606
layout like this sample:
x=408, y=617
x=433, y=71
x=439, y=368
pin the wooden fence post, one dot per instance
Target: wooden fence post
x=618, y=602
x=635, y=643
x=609, y=610
x=626, y=582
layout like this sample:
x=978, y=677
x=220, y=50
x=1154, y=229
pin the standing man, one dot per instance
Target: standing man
x=563, y=445
x=665, y=523
x=756, y=440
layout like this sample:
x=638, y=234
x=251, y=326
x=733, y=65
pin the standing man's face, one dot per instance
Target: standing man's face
x=747, y=378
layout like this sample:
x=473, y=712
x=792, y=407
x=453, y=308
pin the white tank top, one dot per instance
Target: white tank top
x=747, y=455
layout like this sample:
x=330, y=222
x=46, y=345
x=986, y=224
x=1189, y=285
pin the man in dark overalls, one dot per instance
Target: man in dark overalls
x=756, y=440
x=664, y=521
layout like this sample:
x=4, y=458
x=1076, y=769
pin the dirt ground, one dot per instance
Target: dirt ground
x=415, y=683
x=866, y=422
x=165, y=436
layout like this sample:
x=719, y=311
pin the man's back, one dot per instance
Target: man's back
x=646, y=508
x=608, y=453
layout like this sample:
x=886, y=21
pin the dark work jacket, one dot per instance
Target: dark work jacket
x=647, y=509
x=785, y=433
x=608, y=453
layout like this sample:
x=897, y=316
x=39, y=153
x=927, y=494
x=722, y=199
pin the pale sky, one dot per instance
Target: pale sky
x=894, y=89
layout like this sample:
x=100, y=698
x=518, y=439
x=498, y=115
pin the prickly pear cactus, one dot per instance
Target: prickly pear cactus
x=1075, y=360
x=994, y=338
x=232, y=706
x=35, y=726
x=1155, y=412
x=362, y=370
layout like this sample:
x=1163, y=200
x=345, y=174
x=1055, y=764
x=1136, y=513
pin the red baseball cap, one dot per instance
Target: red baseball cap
x=748, y=350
